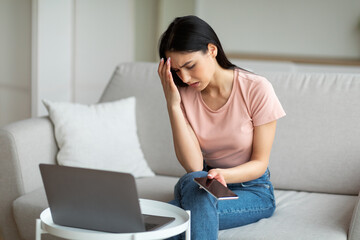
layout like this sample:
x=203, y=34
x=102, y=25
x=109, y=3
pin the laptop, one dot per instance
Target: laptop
x=96, y=200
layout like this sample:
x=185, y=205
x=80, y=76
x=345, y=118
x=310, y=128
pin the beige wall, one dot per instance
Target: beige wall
x=106, y=32
x=311, y=28
x=303, y=28
x=169, y=9
x=151, y=19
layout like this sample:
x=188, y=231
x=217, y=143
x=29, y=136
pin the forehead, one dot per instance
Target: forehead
x=179, y=58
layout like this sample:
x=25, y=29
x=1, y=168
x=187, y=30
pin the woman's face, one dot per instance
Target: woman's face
x=194, y=68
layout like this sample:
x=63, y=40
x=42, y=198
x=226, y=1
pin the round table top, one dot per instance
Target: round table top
x=152, y=207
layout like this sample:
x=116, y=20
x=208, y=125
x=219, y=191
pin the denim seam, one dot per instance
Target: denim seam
x=181, y=192
x=249, y=210
x=265, y=185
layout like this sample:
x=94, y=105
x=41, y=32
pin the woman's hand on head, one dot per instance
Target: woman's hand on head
x=171, y=92
x=216, y=173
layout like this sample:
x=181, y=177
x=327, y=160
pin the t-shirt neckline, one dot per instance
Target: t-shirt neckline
x=223, y=107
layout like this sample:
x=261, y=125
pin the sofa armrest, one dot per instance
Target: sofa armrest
x=23, y=145
x=354, y=231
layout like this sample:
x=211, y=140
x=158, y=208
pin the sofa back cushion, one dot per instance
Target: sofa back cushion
x=316, y=146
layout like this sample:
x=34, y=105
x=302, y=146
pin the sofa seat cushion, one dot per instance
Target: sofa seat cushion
x=28, y=207
x=160, y=188
x=301, y=215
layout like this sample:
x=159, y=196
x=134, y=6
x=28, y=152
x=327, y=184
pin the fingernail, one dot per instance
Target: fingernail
x=162, y=59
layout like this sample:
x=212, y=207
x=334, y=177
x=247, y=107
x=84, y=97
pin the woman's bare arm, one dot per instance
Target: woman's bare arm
x=186, y=145
x=262, y=143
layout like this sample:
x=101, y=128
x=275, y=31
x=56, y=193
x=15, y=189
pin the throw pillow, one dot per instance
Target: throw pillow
x=100, y=136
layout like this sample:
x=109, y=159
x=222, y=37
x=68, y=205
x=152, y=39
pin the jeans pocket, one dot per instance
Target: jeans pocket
x=264, y=188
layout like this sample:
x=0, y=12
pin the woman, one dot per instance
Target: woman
x=223, y=121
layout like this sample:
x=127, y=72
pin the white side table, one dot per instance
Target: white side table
x=181, y=224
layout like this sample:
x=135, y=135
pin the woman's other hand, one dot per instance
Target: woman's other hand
x=171, y=92
x=216, y=173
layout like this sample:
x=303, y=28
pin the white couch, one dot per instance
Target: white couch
x=314, y=164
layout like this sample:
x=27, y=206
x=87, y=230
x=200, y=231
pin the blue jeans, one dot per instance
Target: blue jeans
x=209, y=215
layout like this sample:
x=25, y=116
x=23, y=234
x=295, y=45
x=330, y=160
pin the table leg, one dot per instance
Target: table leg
x=188, y=230
x=38, y=230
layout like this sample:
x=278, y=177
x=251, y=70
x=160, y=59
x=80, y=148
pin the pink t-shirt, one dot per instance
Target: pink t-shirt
x=226, y=135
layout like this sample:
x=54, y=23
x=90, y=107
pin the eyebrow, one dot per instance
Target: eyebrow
x=184, y=64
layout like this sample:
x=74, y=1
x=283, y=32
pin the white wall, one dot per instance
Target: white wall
x=146, y=24
x=104, y=32
x=52, y=58
x=318, y=28
x=15, y=54
x=76, y=47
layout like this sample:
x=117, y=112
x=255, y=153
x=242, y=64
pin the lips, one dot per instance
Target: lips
x=194, y=84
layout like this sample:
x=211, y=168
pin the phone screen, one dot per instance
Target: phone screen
x=215, y=188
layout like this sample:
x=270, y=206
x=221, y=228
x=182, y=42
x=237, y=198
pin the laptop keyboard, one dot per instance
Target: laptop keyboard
x=149, y=226
x=154, y=222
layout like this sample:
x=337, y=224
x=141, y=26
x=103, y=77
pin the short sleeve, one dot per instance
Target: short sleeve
x=265, y=106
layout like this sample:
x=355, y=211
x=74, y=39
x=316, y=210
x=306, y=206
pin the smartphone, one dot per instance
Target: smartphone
x=215, y=188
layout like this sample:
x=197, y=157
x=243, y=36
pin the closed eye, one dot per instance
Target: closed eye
x=191, y=67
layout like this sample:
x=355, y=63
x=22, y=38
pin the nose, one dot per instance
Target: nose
x=185, y=77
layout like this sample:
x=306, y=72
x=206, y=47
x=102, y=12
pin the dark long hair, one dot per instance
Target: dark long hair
x=191, y=34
